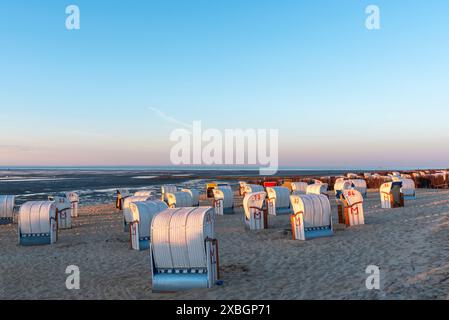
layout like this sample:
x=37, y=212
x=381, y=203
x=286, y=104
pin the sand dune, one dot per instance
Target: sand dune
x=410, y=245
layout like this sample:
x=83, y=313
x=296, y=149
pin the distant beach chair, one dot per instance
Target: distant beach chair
x=242, y=185
x=63, y=211
x=278, y=201
x=37, y=223
x=223, y=201
x=7, y=204
x=166, y=189
x=360, y=186
x=350, y=209
x=195, y=194
x=255, y=218
x=209, y=189
x=142, y=213
x=299, y=187
x=340, y=185
x=408, y=188
x=74, y=201
x=317, y=188
x=179, y=199
x=183, y=252
x=391, y=195
x=127, y=215
x=143, y=193
x=312, y=216
x=121, y=195
x=251, y=188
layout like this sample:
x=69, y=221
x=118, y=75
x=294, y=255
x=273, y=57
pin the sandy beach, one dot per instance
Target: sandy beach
x=410, y=245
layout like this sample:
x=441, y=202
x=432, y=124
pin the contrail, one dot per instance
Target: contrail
x=169, y=119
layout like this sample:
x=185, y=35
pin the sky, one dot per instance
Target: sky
x=111, y=92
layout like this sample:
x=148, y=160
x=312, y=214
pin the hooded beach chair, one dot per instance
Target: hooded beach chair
x=408, y=188
x=251, y=188
x=183, y=252
x=142, y=213
x=127, y=216
x=312, y=216
x=242, y=185
x=63, y=211
x=391, y=195
x=340, y=185
x=350, y=209
x=299, y=187
x=166, y=189
x=278, y=201
x=37, y=223
x=317, y=188
x=360, y=186
x=121, y=195
x=74, y=201
x=7, y=204
x=255, y=216
x=179, y=199
x=223, y=201
x=195, y=194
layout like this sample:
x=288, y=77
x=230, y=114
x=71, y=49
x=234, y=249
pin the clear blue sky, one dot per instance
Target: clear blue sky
x=308, y=68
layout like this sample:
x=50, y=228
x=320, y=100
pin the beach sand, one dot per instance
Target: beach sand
x=410, y=245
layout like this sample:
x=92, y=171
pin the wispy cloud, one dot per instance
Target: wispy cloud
x=169, y=118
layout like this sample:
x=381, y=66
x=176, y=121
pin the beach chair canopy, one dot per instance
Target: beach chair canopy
x=299, y=187
x=72, y=196
x=35, y=217
x=315, y=208
x=7, y=206
x=250, y=188
x=178, y=238
x=281, y=195
x=226, y=195
x=144, y=212
x=127, y=203
x=179, y=199
x=195, y=194
x=317, y=188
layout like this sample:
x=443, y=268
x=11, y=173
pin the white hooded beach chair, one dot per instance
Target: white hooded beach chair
x=391, y=195
x=7, y=204
x=408, y=188
x=143, y=193
x=317, y=188
x=360, y=186
x=184, y=252
x=121, y=195
x=63, y=211
x=312, y=216
x=340, y=185
x=299, y=187
x=195, y=194
x=166, y=189
x=351, y=209
x=142, y=213
x=223, y=201
x=179, y=200
x=255, y=217
x=37, y=223
x=74, y=201
x=251, y=188
x=127, y=215
x=278, y=201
